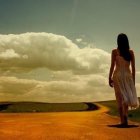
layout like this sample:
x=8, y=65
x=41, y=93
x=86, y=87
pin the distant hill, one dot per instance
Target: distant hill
x=15, y=107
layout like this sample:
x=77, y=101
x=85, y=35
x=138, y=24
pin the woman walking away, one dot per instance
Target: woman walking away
x=122, y=78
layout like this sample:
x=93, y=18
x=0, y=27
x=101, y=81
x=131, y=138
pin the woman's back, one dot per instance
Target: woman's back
x=121, y=63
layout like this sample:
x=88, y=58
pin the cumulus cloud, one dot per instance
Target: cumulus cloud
x=29, y=51
x=78, y=39
x=15, y=89
x=8, y=54
x=51, y=68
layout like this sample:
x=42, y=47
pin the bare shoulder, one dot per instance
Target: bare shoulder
x=114, y=51
x=131, y=52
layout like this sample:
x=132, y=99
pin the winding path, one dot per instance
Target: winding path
x=87, y=125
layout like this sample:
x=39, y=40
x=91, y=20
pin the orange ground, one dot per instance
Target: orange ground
x=90, y=125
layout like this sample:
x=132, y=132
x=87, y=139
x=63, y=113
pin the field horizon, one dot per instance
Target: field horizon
x=40, y=107
x=29, y=106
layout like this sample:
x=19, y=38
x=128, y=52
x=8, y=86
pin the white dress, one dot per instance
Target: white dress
x=124, y=87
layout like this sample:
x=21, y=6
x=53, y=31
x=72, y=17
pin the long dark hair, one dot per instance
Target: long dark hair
x=123, y=46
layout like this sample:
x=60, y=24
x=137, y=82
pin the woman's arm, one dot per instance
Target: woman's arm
x=133, y=64
x=112, y=68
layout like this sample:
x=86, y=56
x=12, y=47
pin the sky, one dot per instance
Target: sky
x=59, y=50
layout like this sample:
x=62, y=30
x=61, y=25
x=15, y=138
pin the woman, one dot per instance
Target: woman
x=122, y=78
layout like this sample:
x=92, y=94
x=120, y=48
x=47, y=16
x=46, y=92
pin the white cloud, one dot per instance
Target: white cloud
x=51, y=68
x=55, y=52
x=79, y=40
x=80, y=90
x=15, y=86
x=8, y=54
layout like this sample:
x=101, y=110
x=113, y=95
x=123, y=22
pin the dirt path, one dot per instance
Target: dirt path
x=90, y=125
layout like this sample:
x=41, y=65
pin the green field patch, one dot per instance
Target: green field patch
x=133, y=115
x=15, y=107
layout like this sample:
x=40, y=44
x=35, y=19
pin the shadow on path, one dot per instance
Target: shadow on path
x=91, y=106
x=121, y=126
x=4, y=106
